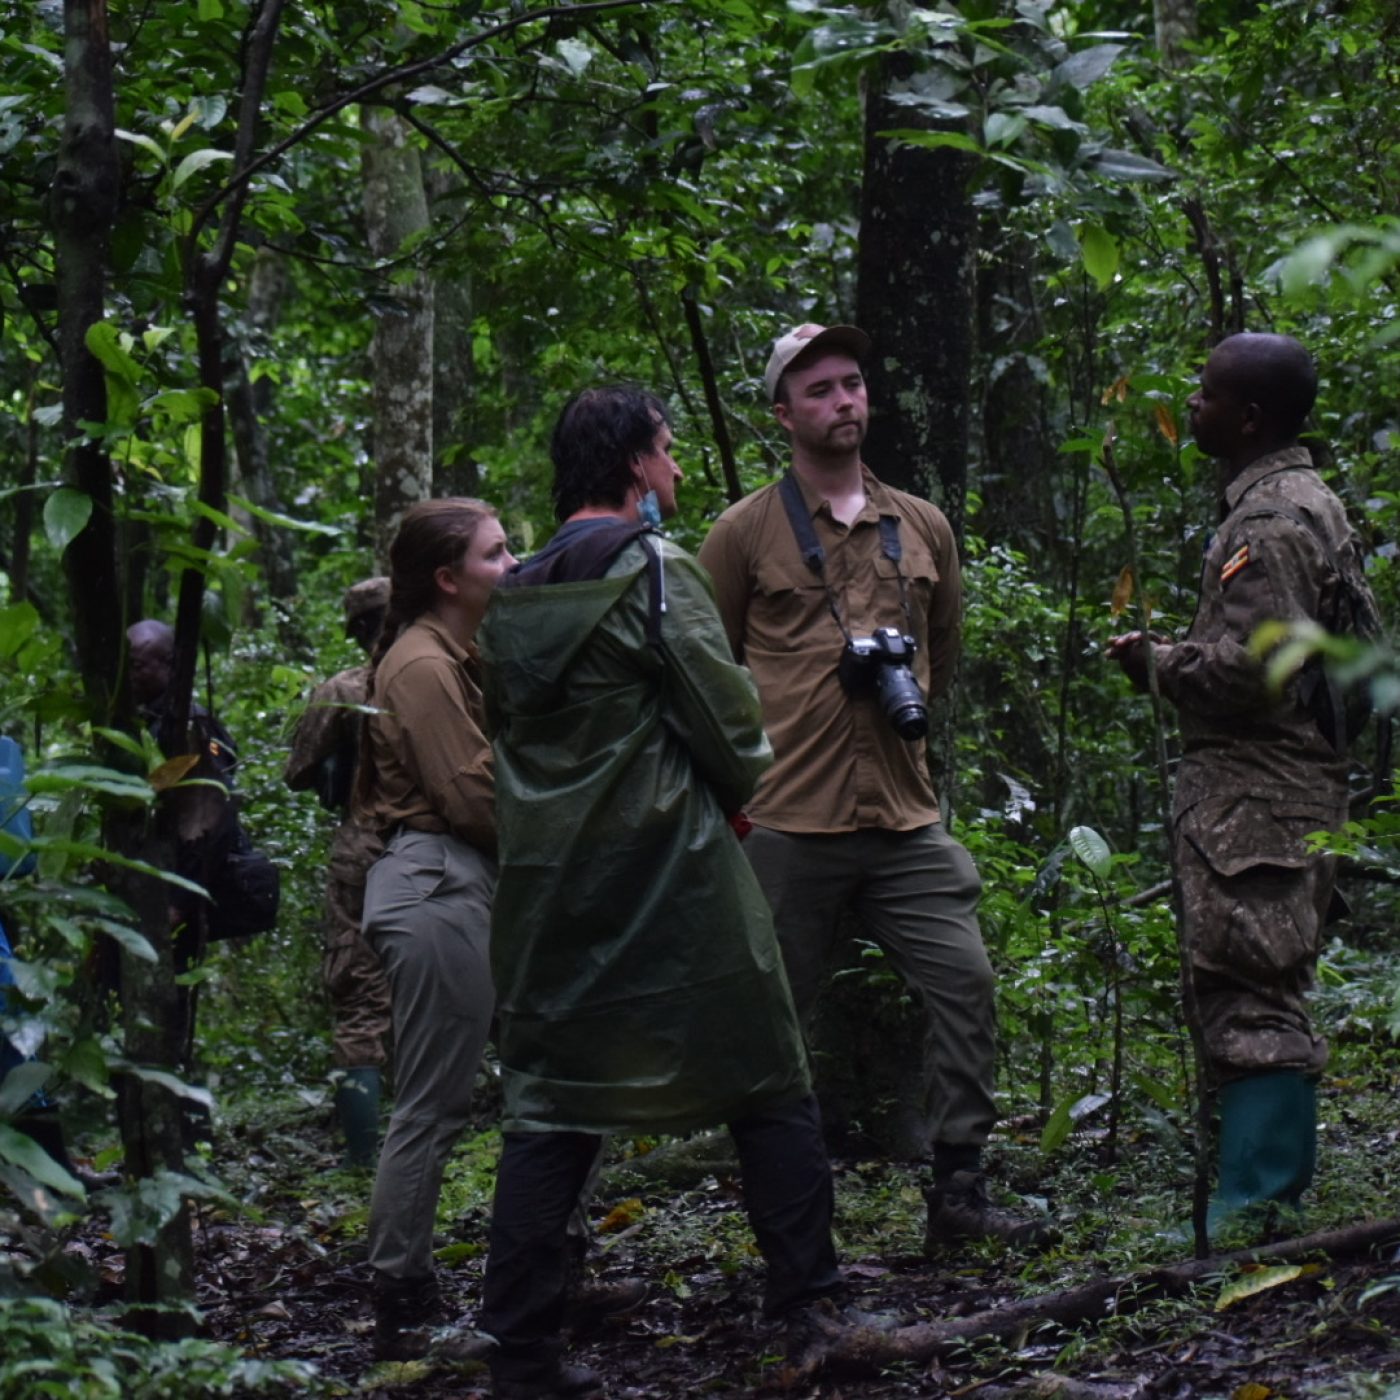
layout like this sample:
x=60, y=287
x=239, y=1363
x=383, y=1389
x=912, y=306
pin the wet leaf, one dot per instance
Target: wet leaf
x=167, y=774
x=622, y=1215
x=1260, y=1281
x=1122, y=592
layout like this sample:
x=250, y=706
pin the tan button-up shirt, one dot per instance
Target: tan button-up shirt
x=839, y=766
x=432, y=763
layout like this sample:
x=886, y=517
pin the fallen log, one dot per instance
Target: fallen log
x=864, y=1350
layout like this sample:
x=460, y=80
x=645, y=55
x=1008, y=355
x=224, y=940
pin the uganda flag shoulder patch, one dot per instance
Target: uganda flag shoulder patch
x=1234, y=563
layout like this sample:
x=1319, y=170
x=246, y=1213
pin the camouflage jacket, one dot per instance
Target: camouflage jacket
x=325, y=749
x=1264, y=563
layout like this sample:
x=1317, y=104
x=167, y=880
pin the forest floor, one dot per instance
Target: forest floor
x=285, y=1276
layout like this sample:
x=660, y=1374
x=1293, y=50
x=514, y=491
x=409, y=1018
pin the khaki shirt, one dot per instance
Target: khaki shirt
x=432, y=763
x=839, y=766
x=1238, y=739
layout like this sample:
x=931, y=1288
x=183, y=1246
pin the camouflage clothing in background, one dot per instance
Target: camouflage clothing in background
x=1257, y=773
x=327, y=739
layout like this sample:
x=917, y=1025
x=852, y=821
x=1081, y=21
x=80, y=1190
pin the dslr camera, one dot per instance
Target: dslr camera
x=880, y=663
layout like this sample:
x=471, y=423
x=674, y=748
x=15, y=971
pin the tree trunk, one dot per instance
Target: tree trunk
x=915, y=294
x=83, y=205
x=401, y=354
x=248, y=406
x=1175, y=23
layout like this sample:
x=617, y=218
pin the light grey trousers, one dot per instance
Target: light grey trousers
x=428, y=916
x=915, y=893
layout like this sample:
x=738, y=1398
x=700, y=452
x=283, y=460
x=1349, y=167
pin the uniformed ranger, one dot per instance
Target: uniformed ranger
x=325, y=746
x=1260, y=769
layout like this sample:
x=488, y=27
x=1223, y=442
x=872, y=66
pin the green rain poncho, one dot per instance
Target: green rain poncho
x=639, y=982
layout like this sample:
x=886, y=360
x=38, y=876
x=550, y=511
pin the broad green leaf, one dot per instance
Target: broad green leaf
x=18, y=623
x=23, y=1151
x=1003, y=128
x=934, y=140
x=1086, y=67
x=66, y=512
x=121, y=740
x=21, y=1083
x=211, y=9
x=1057, y=1128
x=135, y=943
x=181, y=405
x=1128, y=165
x=1092, y=850
x=1099, y=249
x=86, y=1063
x=195, y=162
x=145, y=142
x=104, y=343
x=89, y=777
x=87, y=850
x=171, y=1082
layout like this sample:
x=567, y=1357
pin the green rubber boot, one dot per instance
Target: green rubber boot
x=357, y=1107
x=1268, y=1148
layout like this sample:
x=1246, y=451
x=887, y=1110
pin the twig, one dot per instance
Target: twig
x=1201, y=1189
x=720, y=427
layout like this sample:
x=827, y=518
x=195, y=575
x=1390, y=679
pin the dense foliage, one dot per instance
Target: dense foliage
x=651, y=191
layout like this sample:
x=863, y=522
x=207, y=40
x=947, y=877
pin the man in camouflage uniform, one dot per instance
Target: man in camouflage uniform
x=1259, y=769
x=325, y=747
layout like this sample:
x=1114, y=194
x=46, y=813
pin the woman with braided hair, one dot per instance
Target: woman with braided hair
x=425, y=784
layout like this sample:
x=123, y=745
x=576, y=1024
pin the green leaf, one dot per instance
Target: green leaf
x=135, y=943
x=934, y=140
x=312, y=527
x=23, y=1151
x=171, y=1082
x=1086, y=67
x=181, y=405
x=1092, y=850
x=1128, y=165
x=211, y=9
x=18, y=623
x=66, y=512
x=1259, y=1281
x=21, y=1083
x=1099, y=250
x=145, y=142
x=103, y=342
x=86, y=1064
x=89, y=777
x=119, y=739
x=1057, y=1128
x=195, y=162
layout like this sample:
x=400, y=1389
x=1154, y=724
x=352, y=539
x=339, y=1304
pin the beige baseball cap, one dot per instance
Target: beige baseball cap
x=810, y=336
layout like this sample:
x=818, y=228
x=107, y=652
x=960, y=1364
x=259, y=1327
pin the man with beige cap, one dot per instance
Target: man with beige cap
x=843, y=596
x=325, y=748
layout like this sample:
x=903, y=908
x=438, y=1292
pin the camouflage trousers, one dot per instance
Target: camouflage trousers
x=355, y=983
x=1254, y=901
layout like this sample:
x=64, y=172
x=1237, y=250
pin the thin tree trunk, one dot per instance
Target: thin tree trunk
x=1175, y=24
x=915, y=296
x=396, y=207
x=248, y=406
x=83, y=205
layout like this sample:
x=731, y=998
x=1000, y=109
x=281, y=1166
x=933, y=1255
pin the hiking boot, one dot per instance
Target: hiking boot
x=573, y=1382
x=411, y=1322
x=588, y=1305
x=959, y=1210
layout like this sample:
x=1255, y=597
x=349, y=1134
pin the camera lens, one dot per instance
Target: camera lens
x=902, y=701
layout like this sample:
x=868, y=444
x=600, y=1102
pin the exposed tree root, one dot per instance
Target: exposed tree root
x=864, y=1350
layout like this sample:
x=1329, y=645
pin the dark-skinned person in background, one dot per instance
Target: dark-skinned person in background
x=1260, y=768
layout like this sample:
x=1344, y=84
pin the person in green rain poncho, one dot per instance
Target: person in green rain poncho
x=639, y=983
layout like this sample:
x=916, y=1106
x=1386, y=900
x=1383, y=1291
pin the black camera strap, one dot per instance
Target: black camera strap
x=814, y=556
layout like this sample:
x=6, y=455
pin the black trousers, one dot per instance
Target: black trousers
x=787, y=1194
